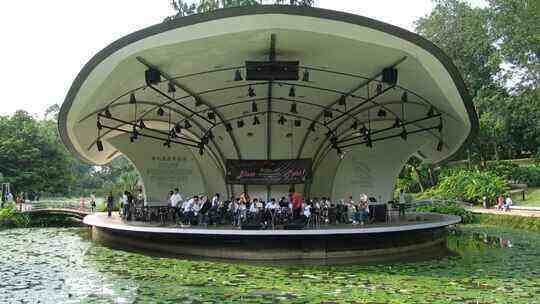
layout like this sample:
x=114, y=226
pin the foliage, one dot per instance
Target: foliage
x=503, y=169
x=510, y=221
x=529, y=175
x=469, y=185
x=32, y=157
x=449, y=207
x=10, y=217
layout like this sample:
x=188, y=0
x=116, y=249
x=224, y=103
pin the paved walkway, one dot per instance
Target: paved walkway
x=515, y=211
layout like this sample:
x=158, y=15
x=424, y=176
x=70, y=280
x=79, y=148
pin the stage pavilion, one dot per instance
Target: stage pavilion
x=259, y=99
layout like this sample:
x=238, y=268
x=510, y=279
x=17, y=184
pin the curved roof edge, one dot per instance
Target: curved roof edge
x=256, y=10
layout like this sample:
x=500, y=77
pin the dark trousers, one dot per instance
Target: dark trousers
x=109, y=210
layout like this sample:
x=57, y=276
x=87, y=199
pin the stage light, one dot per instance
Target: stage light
x=160, y=111
x=187, y=124
x=211, y=115
x=173, y=133
x=171, y=88
x=381, y=113
x=378, y=89
x=238, y=75
x=141, y=124
x=135, y=134
x=339, y=152
x=240, y=123
x=201, y=151
x=297, y=123
x=167, y=143
x=210, y=135
x=99, y=145
x=292, y=92
x=364, y=130
x=99, y=125
x=152, y=76
x=404, y=97
x=256, y=120
x=329, y=133
x=397, y=122
x=293, y=108
x=403, y=134
x=178, y=128
x=198, y=101
x=312, y=127
x=254, y=108
x=228, y=127
x=305, y=77
x=282, y=120
x=204, y=140
x=431, y=112
x=108, y=113
x=440, y=145
x=333, y=139
x=131, y=139
x=440, y=126
x=251, y=92
x=328, y=114
x=354, y=125
x=369, y=142
x=132, y=98
x=342, y=100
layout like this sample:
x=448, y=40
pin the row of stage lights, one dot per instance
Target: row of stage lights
x=327, y=113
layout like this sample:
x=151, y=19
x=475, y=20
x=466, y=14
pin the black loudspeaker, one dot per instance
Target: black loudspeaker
x=272, y=70
x=297, y=224
x=152, y=76
x=389, y=75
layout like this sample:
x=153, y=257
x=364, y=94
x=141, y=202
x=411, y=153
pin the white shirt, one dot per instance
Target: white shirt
x=509, y=201
x=215, y=201
x=175, y=199
x=187, y=206
x=270, y=205
x=402, y=197
x=307, y=211
x=253, y=208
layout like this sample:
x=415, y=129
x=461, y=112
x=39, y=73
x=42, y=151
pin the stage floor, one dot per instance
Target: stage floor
x=412, y=221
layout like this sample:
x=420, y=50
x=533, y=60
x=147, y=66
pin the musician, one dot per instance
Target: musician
x=204, y=209
x=270, y=211
x=188, y=209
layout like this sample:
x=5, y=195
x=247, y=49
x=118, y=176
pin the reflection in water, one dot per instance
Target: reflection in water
x=58, y=265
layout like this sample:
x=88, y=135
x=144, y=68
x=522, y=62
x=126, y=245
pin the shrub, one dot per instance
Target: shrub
x=449, y=208
x=469, y=185
x=504, y=169
x=529, y=175
x=10, y=217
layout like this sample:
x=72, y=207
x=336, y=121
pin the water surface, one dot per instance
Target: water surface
x=61, y=265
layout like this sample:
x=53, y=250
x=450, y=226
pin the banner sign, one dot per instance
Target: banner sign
x=268, y=172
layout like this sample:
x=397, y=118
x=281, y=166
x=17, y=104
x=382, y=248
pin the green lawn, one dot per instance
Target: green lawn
x=531, y=199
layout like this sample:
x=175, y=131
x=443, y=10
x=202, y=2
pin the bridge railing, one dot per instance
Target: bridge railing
x=56, y=204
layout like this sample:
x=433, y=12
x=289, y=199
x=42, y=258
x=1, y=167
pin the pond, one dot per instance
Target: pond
x=61, y=265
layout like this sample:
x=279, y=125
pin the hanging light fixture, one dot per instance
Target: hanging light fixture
x=431, y=112
x=282, y=120
x=211, y=115
x=251, y=92
x=404, y=97
x=160, y=111
x=198, y=101
x=293, y=108
x=378, y=89
x=254, y=108
x=108, y=113
x=364, y=130
x=440, y=126
x=238, y=75
x=403, y=134
x=329, y=133
x=305, y=77
x=167, y=143
x=256, y=120
x=369, y=142
x=297, y=123
x=98, y=124
x=381, y=113
x=141, y=124
x=178, y=128
x=240, y=123
x=228, y=127
x=312, y=127
x=328, y=114
x=171, y=88
x=99, y=145
x=440, y=145
x=342, y=100
x=397, y=122
x=187, y=124
x=172, y=133
x=210, y=135
x=132, y=98
x=292, y=92
x=354, y=125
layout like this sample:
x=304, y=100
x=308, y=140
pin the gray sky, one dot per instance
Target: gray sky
x=46, y=43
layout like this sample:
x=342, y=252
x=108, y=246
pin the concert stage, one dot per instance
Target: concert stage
x=416, y=234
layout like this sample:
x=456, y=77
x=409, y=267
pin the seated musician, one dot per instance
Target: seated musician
x=204, y=210
x=213, y=211
x=307, y=212
x=362, y=213
x=270, y=212
x=188, y=209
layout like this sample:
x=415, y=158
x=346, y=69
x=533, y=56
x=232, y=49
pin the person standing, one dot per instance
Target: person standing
x=110, y=204
x=82, y=202
x=297, y=203
x=508, y=203
x=500, y=202
x=92, y=202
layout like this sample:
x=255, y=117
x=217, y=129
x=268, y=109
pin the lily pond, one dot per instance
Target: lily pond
x=61, y=265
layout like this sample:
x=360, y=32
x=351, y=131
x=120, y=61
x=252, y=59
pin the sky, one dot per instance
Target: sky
x=46, y=43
